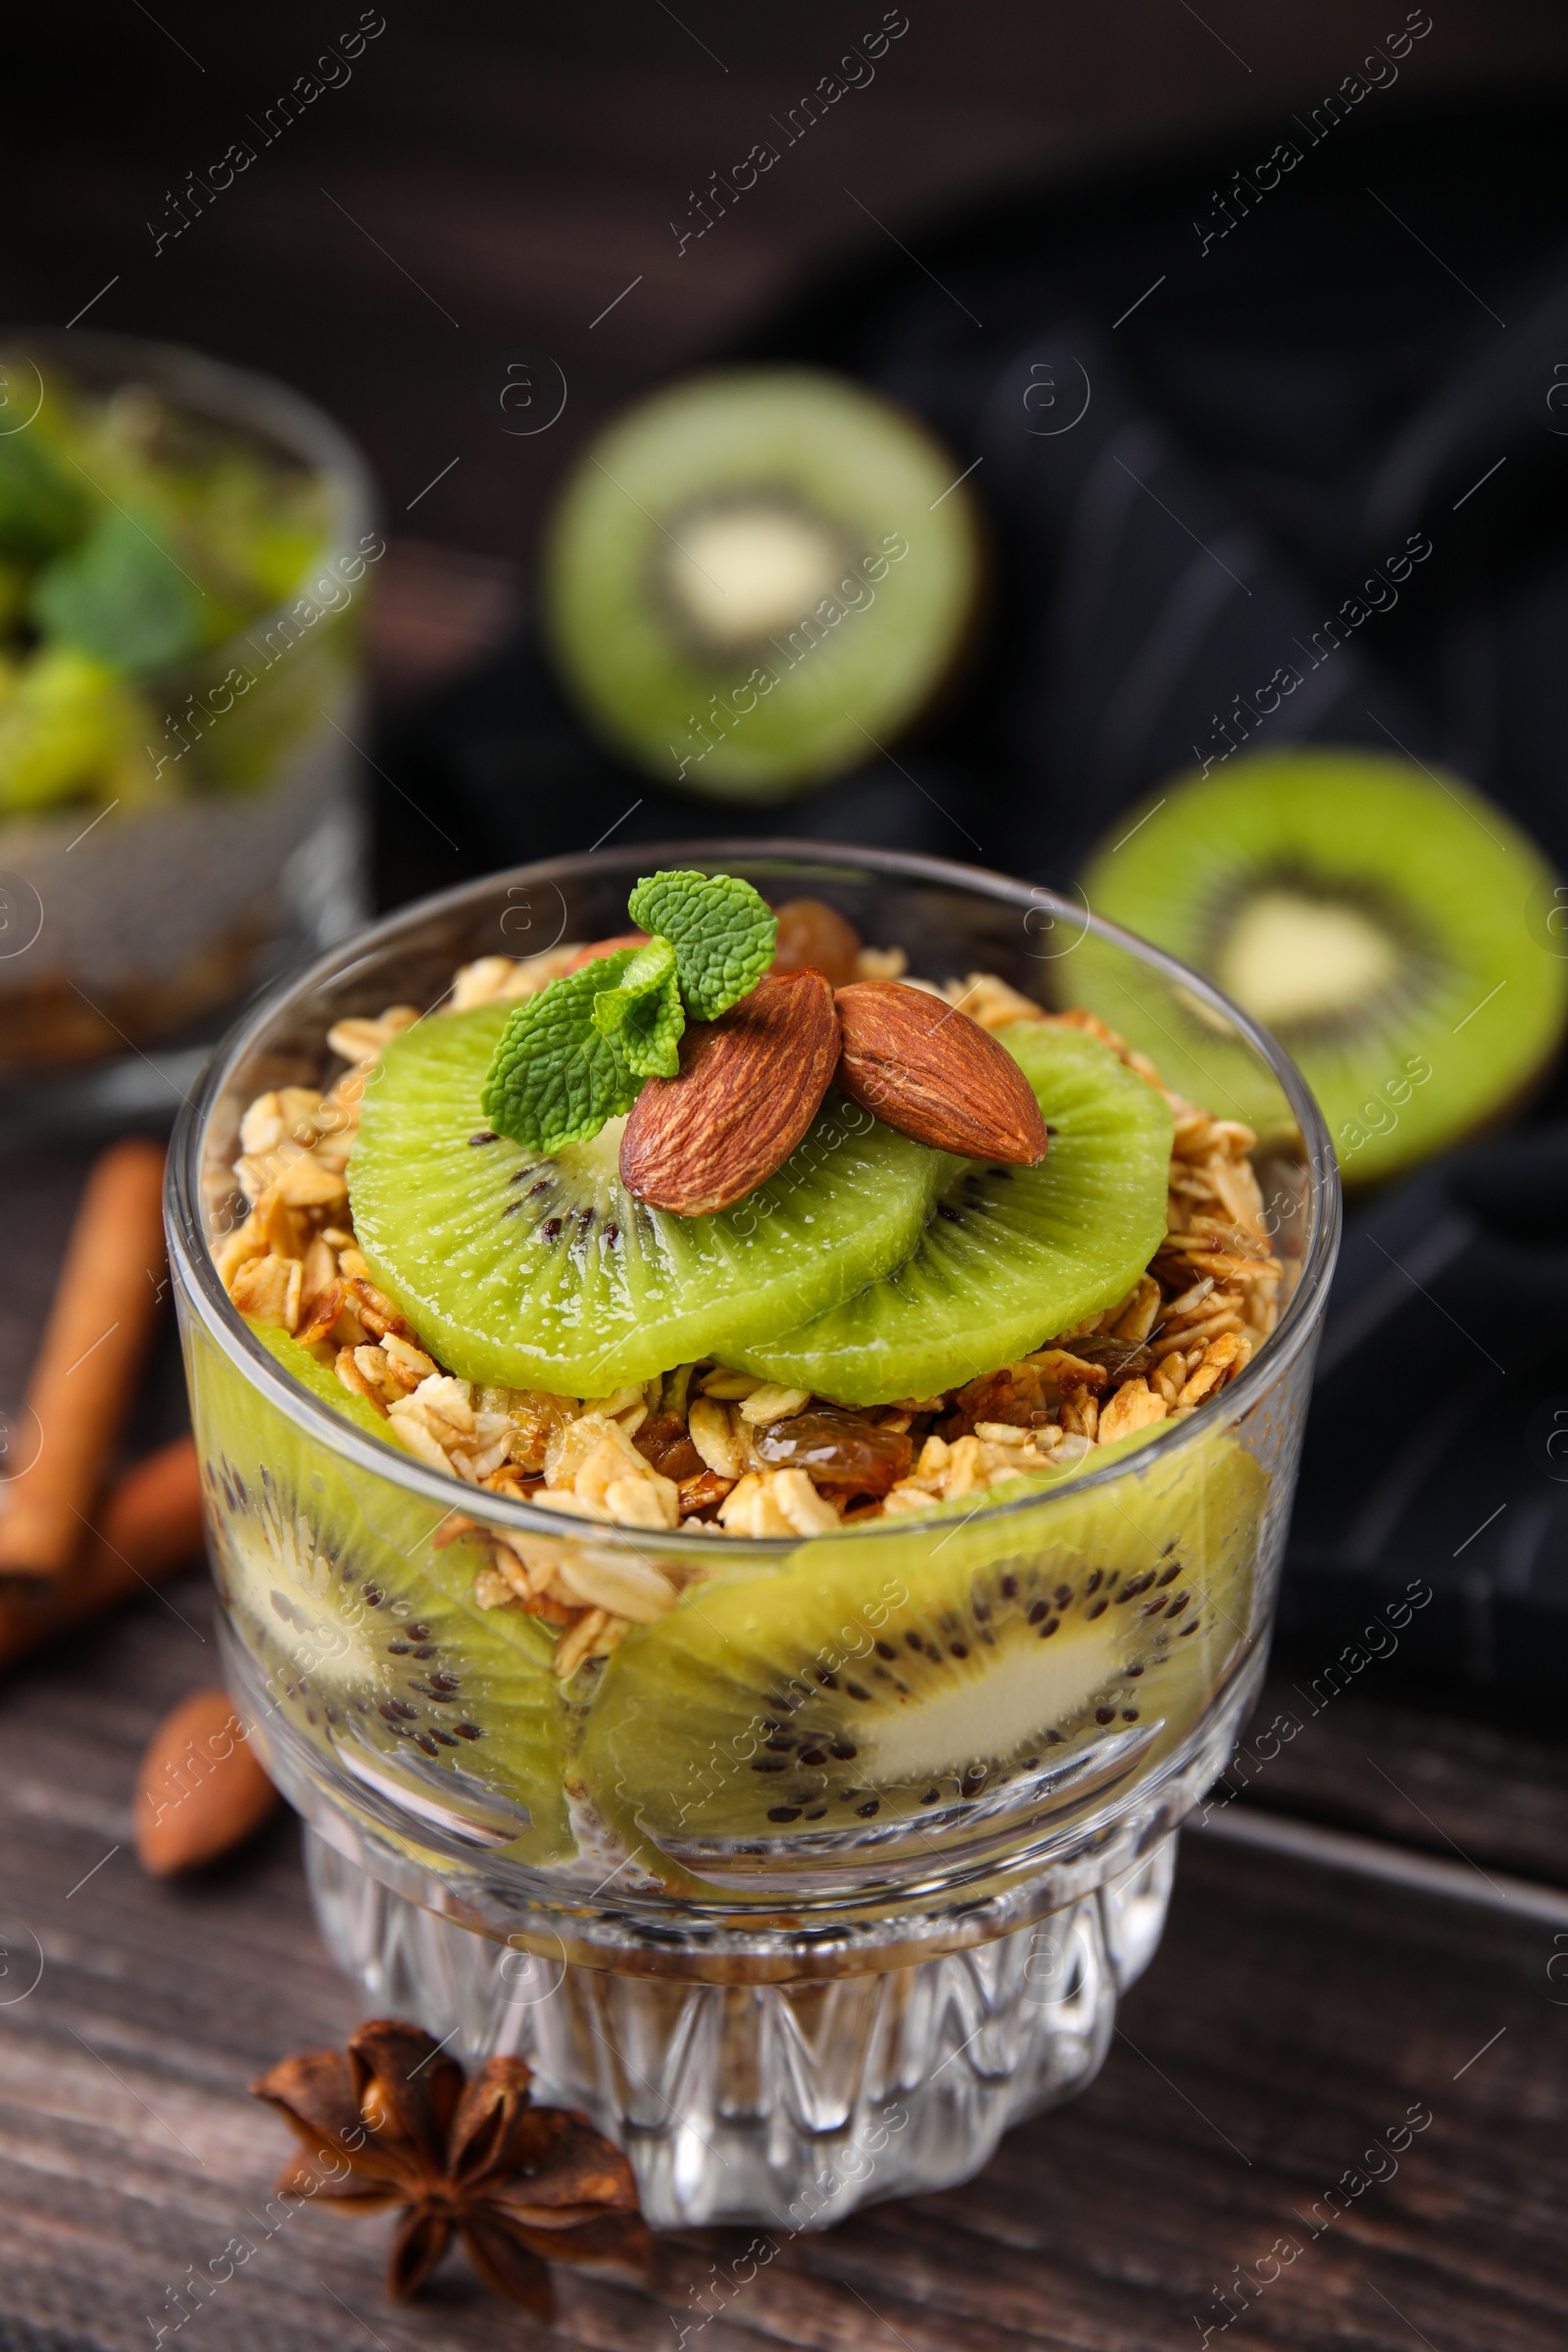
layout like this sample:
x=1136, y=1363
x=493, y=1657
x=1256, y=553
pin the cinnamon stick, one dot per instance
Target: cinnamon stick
x=93, y=1345
x=148, y=1525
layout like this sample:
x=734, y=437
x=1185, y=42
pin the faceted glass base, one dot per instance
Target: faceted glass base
x=783, y=2104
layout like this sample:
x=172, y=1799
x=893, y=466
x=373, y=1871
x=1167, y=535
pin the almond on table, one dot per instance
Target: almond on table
x=201, y=1791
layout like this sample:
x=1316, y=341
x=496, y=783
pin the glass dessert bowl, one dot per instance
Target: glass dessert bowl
x=753, y=1661
x=186, y=554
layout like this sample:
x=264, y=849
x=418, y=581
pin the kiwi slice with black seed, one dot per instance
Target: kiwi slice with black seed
x=880, y=1681
x=757, y=573
x=544, y=1272
x=1010, y=1255
x=1382, y=921
x=359, y=1626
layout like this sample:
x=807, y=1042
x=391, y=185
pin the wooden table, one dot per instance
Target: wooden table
x=1376, y=1924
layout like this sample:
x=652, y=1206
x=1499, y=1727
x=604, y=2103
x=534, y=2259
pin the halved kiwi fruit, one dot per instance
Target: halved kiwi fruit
x=757, y=575
x=881, y=1680
x=545, y=1273
x=1380, y=921
x=1010, y=1256
x=363, y=1632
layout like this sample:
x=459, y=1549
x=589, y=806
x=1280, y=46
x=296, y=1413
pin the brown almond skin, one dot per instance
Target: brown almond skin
x=751, y=1083
x=928, y=1070
x=813, y=936
x=201, y=1791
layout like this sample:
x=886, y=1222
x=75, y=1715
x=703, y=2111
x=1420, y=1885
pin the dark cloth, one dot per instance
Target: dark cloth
x=1295, y=409
x=1437, y=1445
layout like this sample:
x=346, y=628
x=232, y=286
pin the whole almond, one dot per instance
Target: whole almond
x=928, y=1070
x=201, y=1790
x=751, y=1083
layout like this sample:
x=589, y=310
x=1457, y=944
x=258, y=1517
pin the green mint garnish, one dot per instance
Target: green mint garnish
x=645, y=1013
x=578, y=1052
x=722, y=931
x=557, y=1077
x=121, y=595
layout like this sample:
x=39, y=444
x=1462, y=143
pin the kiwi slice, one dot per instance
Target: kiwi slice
x=1010, y=1257
x=545, y=1273
x=361, y=1629
x=878, y=1682
x=754, y=573
x=1377, y=919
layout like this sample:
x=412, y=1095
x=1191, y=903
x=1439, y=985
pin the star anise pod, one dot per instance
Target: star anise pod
x=392, y=2121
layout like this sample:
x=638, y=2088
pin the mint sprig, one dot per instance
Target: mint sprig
x=557, y=1077
x=578, y=1052
x=645, y=1013
x=722, y=931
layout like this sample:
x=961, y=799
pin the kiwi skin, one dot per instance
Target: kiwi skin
x=1479, y=1002
x=742, y=767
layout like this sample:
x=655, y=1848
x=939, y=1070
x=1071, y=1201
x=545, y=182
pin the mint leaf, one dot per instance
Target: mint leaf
x=722, y=933
x=556, y=1077
x=119, y=595
x=645, y=1013
x=651, y=1034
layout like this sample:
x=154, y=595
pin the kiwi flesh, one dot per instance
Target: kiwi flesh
x=1376, y=918
x=361, y=1629
x=546, y=1273
x=756, y=573
x=1010, y=1255
x=880, y=1681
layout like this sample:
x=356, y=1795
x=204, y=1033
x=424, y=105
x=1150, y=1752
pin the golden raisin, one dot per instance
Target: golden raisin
x=663, y=1441
x=838, y=1449
x=811, y=935
x=536, y=1417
